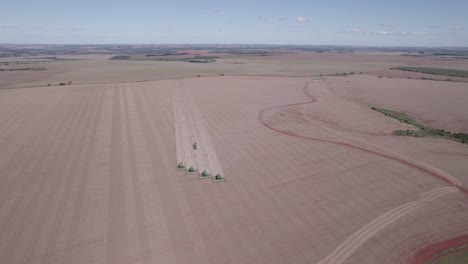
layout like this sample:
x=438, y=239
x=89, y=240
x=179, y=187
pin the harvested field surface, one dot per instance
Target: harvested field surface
x=433, y=103
x=190, y=129
x=314, y=176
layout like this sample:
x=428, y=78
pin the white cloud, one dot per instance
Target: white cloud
x=35, y=36
x=356, y=31
x=388, y=25
x=9, y=27
x=91, y=36
x=301, y=19
x=69, y=36
x=390, y=32
x=168, y=29
x=59, y=29
x=211, y=9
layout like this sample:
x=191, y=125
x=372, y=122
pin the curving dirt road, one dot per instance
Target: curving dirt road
x=352, y=243
x=349, y=145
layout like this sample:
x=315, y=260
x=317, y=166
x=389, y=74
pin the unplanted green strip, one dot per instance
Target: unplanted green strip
x=424, y=131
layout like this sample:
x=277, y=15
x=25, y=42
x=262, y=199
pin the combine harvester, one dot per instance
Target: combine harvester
x=204, y=175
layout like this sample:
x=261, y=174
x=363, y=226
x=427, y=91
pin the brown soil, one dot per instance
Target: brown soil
x=89, y=175
x=434, y=103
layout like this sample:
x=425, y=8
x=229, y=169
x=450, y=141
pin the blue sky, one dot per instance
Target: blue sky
x=330, y=22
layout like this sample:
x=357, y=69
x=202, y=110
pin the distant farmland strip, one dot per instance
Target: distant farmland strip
x=435, y=71
x=120, y=57
x=25, y=69
x=152, y=57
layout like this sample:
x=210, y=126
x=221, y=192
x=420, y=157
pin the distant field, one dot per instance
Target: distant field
x=170, y=57
x=120, y=57
x=112, y=64
x=452, y=53
x=246, y=52
x=436, y=71
x=24, y=69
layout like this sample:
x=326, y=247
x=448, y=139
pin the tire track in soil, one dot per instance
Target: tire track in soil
x=199, y=155
x=138, y=213
x=227, y=253
x=177, y=125
x=173, y=190
x=190, y=128
x=38, y=194
x=84, y=173
x=38, y=252
x=20, y=120
x=61, y=207
x=187, y=214
x=117, y=247
x=79, y=244
x=10, y=200
x=352, y=243
x=15, y=144
x=166, y=253
x=208, y=158
x=152, y=217
x=184, y=137
x=188, y=116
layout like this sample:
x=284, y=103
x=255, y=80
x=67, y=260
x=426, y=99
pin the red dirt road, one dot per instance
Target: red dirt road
x=433, y=103
x=88, y=175
x=425, y=254
x=344, y=144
x=346, y=249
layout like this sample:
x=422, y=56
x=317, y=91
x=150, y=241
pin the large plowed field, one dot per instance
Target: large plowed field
x=88, y=175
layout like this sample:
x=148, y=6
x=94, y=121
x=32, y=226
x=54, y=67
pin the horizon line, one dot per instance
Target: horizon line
x=239, y=44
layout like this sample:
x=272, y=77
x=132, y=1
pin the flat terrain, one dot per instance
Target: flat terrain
x=433, y=103
x=96, y=69
x=313, y=174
